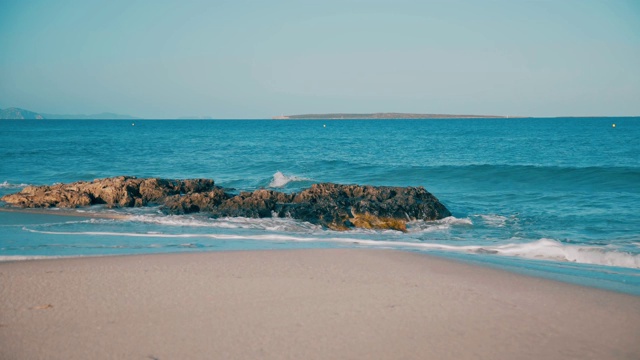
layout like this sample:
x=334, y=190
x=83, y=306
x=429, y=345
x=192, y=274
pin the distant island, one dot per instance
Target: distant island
x=19, y=114
x=22, y=114
x=334, y=116
x=101, y=116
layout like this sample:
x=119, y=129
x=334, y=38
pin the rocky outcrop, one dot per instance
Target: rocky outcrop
x=258, y=204
x=335, y=206
x=121, y=191
x=195, y=202
x=344, y=206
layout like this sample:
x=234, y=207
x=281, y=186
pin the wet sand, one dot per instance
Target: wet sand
x=303, y=304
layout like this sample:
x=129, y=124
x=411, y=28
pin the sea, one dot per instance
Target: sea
x=557, y=198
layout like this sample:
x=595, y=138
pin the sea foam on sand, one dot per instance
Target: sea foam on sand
x=303, y=304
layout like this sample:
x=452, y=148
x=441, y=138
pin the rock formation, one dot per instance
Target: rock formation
x=335, y=206
x=121, y=191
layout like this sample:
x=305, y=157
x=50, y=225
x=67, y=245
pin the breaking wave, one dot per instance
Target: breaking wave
x=280, y=180
x=269, y=224
x=542, y=249
x=8, y=185
x=550, y=249
x=493, y=220
x=421, y=226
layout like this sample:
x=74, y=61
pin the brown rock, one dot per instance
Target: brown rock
x=121, y=191
x=194, y=202
x=334, y=206
x=341, y=205
x=258, y=204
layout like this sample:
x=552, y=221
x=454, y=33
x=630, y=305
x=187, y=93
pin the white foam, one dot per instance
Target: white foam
x=455, y=221
x=554, y=250
x=280, y=180
x=272, y=224
x=493, y=220
x=171, y=220
x=542, y=249
x=420, y=226
x=8, y=185
x=126, y=234
x=30, y=257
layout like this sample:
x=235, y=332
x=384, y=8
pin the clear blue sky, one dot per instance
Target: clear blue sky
x=256, y=59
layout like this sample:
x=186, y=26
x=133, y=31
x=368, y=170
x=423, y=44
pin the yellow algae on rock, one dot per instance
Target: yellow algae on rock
x=369, y=221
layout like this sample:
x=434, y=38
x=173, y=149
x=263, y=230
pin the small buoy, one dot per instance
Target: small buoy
x=324, y=125
x=613, y=125
x=133, y=124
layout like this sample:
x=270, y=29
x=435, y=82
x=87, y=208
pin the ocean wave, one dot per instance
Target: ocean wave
x=8, y=185
x=280, y=180
x=550, y=249
x=452, y=220
x=421, y=226
x=134, y=234
x=92, y=221
x=542, y=249
x=493, y=220
x=269, y=224
x=172, y=220
x=606, y=178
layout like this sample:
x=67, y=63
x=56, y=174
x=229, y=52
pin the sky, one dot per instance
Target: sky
x=258, y=59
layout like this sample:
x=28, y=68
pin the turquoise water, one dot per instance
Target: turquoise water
x=549, y=197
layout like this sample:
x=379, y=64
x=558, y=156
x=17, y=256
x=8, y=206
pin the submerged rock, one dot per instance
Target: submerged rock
x=335, y=206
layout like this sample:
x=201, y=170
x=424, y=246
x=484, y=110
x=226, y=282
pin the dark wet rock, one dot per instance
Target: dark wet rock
x=343, y=206
x=258, y=204
x=194, y=202
x=335, y=206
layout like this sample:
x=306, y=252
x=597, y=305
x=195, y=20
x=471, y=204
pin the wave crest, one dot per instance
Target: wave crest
x=542, y=249
x=493, y=220
x=550, y=249
x=268, y=224
x=280, y=180
x=421, y=226
x=8, y=185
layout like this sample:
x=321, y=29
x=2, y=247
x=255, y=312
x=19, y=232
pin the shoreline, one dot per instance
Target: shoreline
x=594, y=275
x=321, y=303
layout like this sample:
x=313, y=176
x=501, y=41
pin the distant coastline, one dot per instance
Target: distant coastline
x=14, y=113
x=22, y=114
x=337, y=116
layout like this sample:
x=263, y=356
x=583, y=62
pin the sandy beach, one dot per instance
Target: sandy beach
x=303, y=304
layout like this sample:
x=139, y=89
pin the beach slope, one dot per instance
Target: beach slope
x=303, y=304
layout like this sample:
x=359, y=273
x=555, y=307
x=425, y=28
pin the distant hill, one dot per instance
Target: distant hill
x=383, y=116
x=19, y=114
x=101, y=116
x=22, y=114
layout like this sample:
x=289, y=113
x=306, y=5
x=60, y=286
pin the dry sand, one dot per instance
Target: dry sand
x=303, y=304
